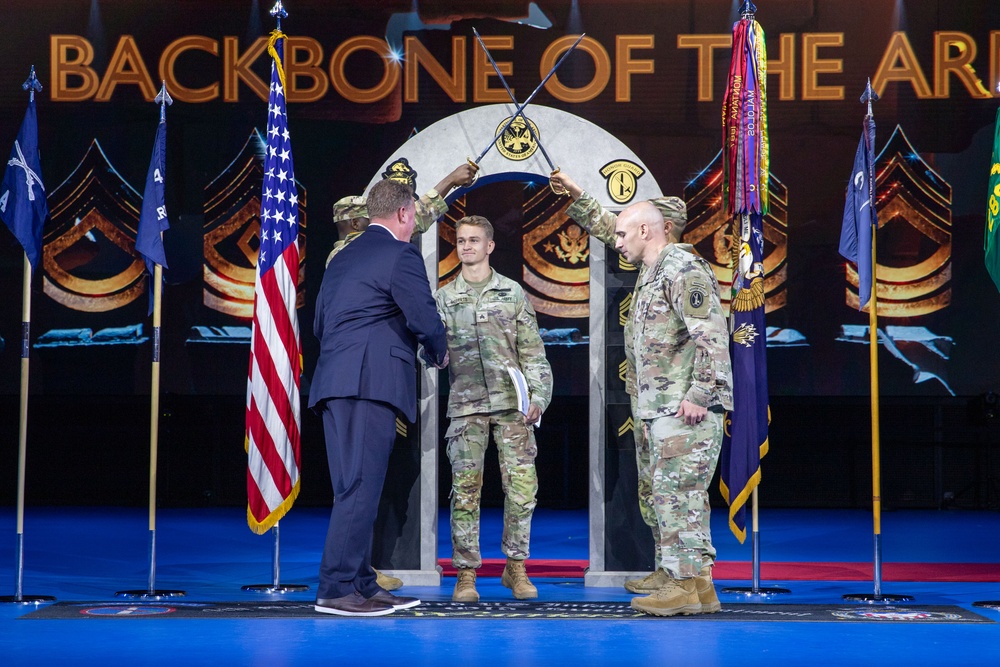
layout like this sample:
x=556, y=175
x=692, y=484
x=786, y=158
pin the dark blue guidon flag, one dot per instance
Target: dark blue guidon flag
x=23, y=206
x=860, y=218
x=153, y=219
x=744, y=441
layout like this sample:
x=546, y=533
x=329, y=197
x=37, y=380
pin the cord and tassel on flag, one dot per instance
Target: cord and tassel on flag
x=273, y=405
x=745, y=192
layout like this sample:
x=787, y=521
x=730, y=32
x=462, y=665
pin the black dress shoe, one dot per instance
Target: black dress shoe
x=353, y=605
x=397, y=601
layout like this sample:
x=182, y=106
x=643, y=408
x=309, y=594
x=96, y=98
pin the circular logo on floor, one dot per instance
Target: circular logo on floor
x=894, y=614
x=127, y=610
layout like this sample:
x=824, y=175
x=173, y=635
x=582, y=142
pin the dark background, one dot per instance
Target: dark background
x=89, y=412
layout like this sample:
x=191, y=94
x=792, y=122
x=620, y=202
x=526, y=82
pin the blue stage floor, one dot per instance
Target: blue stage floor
x=87, y=554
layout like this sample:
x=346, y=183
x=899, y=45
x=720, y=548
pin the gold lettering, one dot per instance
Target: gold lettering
x=784, y=66
x=994, y=61
x=168, y=62
x=960, y=65
x=482, y=70
x=417, y=55
x=908, y=70
x=705, y=46
x=813, y=66
x=390, y=75
x=602, y=69
x=126, y=67
x=236, y=68
x=71, y=56
x=625, y=66
x=307, y=67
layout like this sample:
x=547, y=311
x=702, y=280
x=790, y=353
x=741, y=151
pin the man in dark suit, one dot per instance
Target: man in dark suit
x=373, y=307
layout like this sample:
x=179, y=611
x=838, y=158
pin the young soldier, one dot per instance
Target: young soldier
x=491, y=326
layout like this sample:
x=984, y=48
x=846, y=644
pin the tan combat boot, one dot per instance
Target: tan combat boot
x=677, y=596
x=386, y=581
x=465, y=587
x=647, y=584
x=515, y=578
x=706, y=591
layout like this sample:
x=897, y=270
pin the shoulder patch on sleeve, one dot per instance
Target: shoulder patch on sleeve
x=696, y=299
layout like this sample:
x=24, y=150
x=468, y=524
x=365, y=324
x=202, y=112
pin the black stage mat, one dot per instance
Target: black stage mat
x=506, y=610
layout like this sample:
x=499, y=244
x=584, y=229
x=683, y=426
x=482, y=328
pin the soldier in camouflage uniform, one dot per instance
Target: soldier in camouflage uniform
x=680, y=343
x=491, y=327
x=600, y=223
x=351, y=213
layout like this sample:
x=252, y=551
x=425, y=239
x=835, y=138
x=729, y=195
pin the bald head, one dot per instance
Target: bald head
x=640, y=233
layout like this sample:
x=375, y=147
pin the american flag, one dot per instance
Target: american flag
x=273, y=422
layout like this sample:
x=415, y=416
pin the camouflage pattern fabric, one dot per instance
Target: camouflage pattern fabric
x=644, y=466
x=683, y=459
x=348, y=208
x=430, y=207
x=679, y=336
x=467, y=438
x=488, y=332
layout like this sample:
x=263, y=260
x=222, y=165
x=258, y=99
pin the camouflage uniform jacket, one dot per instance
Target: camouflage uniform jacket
x=486, y=333
x=680, y=339
x=430, y=207
x=600, y=223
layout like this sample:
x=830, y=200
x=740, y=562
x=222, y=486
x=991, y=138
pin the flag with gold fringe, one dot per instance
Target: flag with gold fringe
x=745, y=188
x=991, y=243
x=273, y=406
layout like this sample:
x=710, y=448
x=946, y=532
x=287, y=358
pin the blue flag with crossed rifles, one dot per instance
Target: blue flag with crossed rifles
x=153, y=218
x=23, y=204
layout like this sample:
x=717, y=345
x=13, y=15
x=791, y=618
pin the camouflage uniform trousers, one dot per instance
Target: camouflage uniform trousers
x=644, y=466
x=467, y=439
x=683, y=462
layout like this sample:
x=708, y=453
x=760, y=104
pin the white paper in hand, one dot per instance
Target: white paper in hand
x=521, y=387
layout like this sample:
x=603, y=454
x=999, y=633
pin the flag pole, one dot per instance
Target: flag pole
x=743, y=207
x=870, y=96
x=991, y=218
x=31, y=85
x=279, y=12
x=151, y=593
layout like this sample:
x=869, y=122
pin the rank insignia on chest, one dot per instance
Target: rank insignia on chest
x=482, y=316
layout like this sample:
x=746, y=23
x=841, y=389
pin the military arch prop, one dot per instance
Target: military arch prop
x=620, y=542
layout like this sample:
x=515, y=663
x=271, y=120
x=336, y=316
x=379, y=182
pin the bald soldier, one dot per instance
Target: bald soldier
x=679, y=340
x=351, y=213
x=587, y=212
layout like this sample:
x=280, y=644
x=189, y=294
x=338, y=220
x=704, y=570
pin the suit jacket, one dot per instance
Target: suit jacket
x=373, y=307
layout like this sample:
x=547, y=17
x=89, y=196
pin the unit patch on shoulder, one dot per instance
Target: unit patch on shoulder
x=696, y=301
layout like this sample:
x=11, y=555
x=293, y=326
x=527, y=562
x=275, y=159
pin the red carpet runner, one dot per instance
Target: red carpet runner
x=976, y=572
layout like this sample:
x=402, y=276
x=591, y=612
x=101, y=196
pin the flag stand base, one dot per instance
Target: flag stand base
x=270, y=589
x=873, y=598
x=751, y=590
x=989, y=604
x=26, y=599
x=150, y=595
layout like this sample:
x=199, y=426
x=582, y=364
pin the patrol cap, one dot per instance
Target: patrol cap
x=672, y=208
x=349, y=208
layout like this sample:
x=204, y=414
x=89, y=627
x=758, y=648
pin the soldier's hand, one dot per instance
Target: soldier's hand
x=561, y=181
x=533, y=416
x=691, y=414
x=464, y=174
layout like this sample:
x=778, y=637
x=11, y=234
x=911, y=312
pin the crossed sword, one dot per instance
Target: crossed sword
x=519, y=111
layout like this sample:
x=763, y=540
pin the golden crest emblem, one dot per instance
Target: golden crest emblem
x=401, y=172
x=518, y=141
x=621, y=177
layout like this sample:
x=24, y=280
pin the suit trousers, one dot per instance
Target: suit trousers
x=359, y=438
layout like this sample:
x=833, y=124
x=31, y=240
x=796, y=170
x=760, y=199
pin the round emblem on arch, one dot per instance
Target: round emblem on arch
x=518, y=141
